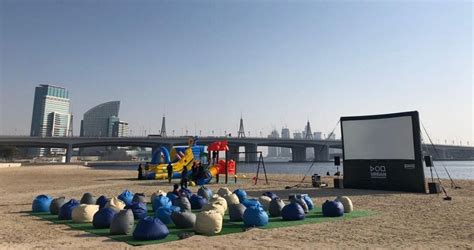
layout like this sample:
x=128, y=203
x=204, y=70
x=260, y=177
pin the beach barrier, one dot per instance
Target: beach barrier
x=150, y=228
x=122, y=223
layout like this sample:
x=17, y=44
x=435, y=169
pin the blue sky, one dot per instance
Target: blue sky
x=278, y=63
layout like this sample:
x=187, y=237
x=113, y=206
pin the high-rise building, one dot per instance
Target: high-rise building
x=99, y=120
x=318, y=135
x=51, y=116
x=120, y=129
x=273, y=151
x=285, y=134
x=297, y=135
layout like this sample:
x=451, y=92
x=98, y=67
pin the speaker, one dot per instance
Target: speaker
x=337, y=161
x=428, y=161
x=434, y=188
x=338, y=183
x=316, y=180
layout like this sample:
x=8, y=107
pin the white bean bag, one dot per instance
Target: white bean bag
x=115, y=203
x=223, y=191
x=346, y=202
x=217, y=206
x=84, y=213
x=265, y=201
x=218, y=199
x=208, y=222
x=231, y=199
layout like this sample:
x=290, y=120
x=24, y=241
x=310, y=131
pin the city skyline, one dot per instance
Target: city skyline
x=281, y=65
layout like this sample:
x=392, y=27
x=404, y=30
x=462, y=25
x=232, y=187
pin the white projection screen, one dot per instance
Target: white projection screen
x=387, y=138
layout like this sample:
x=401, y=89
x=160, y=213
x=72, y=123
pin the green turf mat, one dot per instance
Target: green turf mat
x=228, y=227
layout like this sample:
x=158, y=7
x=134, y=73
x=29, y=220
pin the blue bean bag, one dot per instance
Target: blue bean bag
x=160, y=201
x=139, y=197
x=150, y=228
x=292, y=211
x=307, y=200
x=333, y=209
x=255, y=216
x=65, y=213
x=164, y=213
x=101, y=201
x=271, y=195
x=126, y=196
x=186, y=192
x=139, y=210
x=172, y=196
x=197, y=201
x=250, y=203
x=205, y=192
x=241, y=194
x=103, y=218
x=41, y=203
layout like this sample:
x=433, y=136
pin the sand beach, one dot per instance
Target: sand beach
x=402, y=220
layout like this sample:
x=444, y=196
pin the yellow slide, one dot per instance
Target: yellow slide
x=161, y=171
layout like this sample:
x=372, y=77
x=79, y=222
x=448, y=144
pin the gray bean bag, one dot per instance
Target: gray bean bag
x=56, y=204
x=184, y=219
x=276, y=205
x=88, y=199
x=205, y=192
x=299, y=201
x=122, y=223
x=139, y=197
x=183, y=203
x=236, y=212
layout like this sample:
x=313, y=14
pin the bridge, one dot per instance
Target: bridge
x=298, y=146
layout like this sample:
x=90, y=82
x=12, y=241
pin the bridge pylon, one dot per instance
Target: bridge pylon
x=241, y=133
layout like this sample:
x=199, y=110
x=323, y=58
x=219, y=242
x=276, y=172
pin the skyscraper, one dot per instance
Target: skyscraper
x=285, y=134
x=51, y=116
x=99, y=120
x=274, y=151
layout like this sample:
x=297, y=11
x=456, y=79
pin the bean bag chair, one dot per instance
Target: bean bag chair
x=56, y=204
x=139, y=210
x=150, y=228
x=164, y=213
x=265, y=202
x=84, y=213
x=205, y=192
x=172, y=196
x=183, y=203
x=65, y=213
x=333, y=209
x=197, y=201
x=126, y=196
x=236, y=212
x=184, y=219
x=101, y=201
x=250, y=203
x=276, y=205
x=156, y=194
x=208, y=222
x=346, y=202
x=217, y=206
x=241, y=194
x=292, y=211
x=88, y=199
x=122, y=223
x=115, y=203
x=186, y=192
x=220, y=200
x=160, y=201
x=223, y=191
x=300, y=201
x=41, y=203
x=103, y=218
x=139, y=197
x=270, y=195
x=231, y=199
x=307, y=200
x=255, y=216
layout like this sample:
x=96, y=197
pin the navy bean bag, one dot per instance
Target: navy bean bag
x=186, y=192
x=139, y=210
x=300, y=201
x=171, y=196
x=126, y=196
x=56, y=204
x=122, y=223
x=160, y=201
x=308, y=201
x=101, y=201
x=333, y=209
x=241, y=194
x=197, y=201
x=164, y=213
x=205, y=192
x=276, y=205
x=250, y=203
x=292, y=211
x=88, y=199
x=183, y=203
x=139, y=197
x=103, y=218
x=271, y=195
x=41, y=203
x=184, y=219
x=65, y=213
x=236, y=212
x=255, y=216
x=150, y=228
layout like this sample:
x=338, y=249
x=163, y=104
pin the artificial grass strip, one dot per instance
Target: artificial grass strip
x=228, y=227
